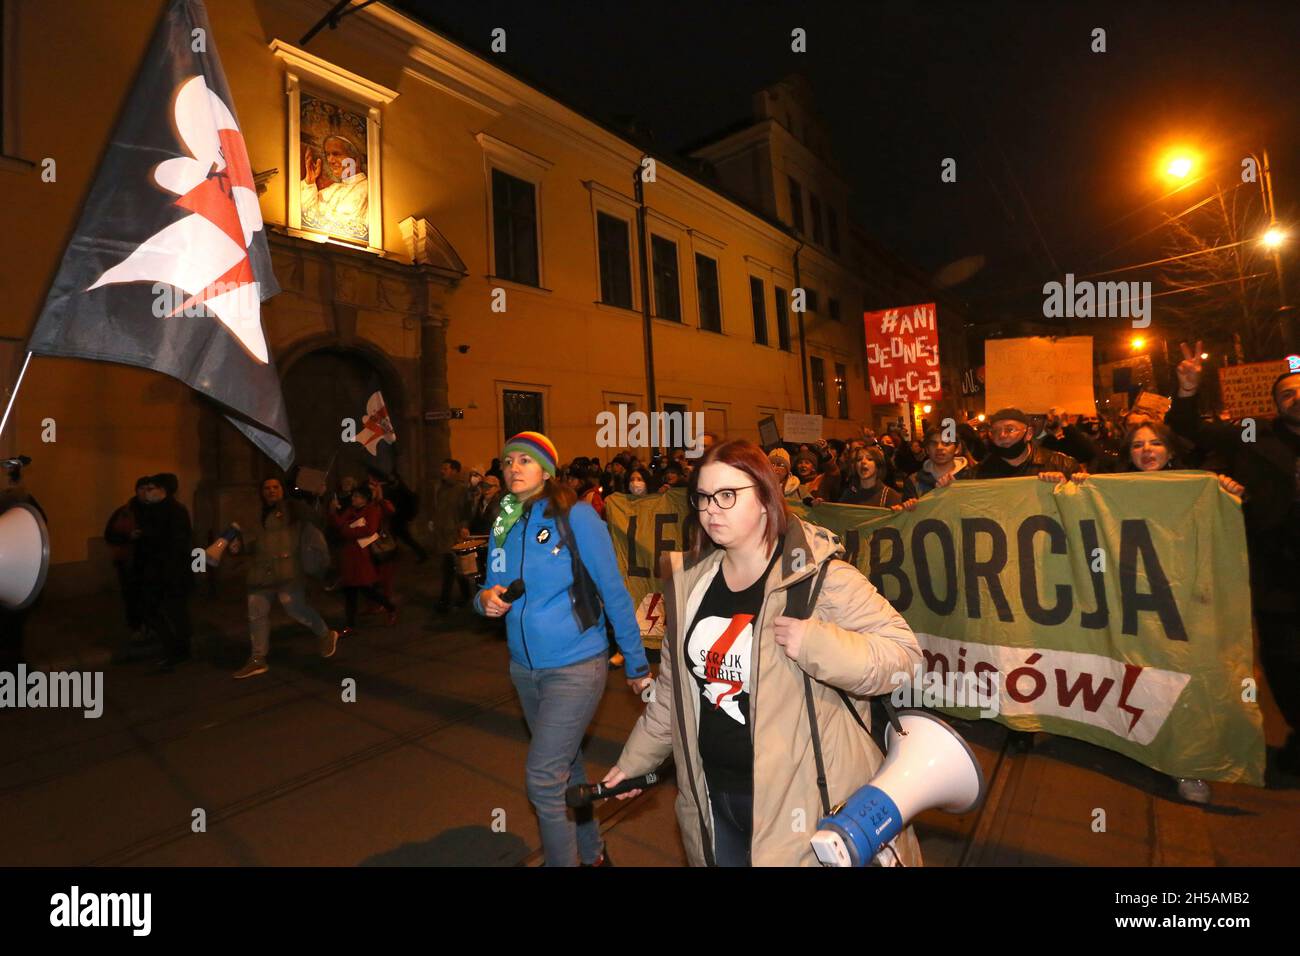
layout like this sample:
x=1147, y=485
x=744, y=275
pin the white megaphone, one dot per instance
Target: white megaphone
x=24, y=555
x=217, y=549
x=928, y=767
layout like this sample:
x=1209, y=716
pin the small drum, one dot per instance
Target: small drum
x=468, y=560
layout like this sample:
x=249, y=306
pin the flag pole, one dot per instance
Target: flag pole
x=14, y=394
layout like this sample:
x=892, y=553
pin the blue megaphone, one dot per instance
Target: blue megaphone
x=928, y=767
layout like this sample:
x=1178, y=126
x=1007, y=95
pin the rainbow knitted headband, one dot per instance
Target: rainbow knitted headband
x=538, y=446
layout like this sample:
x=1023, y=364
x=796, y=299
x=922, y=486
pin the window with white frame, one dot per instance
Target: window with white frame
x=515, y=223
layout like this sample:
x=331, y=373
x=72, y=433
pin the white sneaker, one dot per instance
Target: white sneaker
x=1193, y=791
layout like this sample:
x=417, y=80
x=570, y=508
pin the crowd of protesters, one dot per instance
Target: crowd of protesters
x=351, y=538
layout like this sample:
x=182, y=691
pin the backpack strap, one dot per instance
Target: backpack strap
x=799, y=602
x=587, y=603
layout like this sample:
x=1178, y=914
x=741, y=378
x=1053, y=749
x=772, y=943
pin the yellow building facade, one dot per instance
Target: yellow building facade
x=497, y=268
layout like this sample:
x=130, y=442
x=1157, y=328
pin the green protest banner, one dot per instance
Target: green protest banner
x=1116, y=611
x=643, y=528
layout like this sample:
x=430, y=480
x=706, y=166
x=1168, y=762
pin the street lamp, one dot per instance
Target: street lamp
x=1137, y=342
x=1179, y=167
x=1273, y=238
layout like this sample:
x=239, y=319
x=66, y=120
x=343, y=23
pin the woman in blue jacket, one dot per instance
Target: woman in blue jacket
x=559, y=655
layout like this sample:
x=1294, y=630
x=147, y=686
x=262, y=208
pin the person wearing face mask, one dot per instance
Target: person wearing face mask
x=483, y=505
x=1012, y=453
x=638, y=482
x=730, y=702
x=561, y=550
x=779, y=459
x=864, y=485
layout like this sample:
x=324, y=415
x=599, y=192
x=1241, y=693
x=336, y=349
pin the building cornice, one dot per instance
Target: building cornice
x=446, y=64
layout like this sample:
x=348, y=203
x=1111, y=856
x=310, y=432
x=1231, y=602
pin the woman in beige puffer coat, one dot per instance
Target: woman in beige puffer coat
x=729, y=702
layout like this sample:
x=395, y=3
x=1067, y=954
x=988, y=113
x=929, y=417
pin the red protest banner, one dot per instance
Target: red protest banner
x=903, y=354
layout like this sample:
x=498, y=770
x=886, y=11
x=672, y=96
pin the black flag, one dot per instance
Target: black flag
x=168, y=266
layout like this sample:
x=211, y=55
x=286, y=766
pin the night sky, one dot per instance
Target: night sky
x=1056, y=146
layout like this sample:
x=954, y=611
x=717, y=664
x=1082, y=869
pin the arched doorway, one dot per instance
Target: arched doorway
x=324, y=387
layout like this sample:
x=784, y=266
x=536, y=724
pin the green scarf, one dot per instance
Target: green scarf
x=510, y=510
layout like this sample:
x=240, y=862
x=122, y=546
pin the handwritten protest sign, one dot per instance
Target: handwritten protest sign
x=1035, y=374
x=903, y=354
x=1247, y=389
x=801, y=428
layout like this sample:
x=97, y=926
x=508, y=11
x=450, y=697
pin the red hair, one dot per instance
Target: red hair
x=753, y=461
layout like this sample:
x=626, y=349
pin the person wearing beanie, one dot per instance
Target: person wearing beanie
x=561, y=552
x=788, y=483
x=1013, y=454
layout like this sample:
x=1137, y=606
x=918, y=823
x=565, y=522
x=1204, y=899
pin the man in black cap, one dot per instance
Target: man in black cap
x=1013, y=454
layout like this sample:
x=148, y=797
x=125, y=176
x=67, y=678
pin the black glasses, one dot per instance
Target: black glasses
x=725, y=497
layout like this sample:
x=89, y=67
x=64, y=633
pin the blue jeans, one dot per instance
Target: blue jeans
x=559, y=703
x=294, y=602
x=733, y=827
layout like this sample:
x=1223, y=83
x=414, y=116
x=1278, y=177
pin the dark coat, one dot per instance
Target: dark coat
x=1039, y=460
x=162, y=552
x=118, y=534
x=1267, y=469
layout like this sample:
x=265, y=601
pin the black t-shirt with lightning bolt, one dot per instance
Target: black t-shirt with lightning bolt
x=719, y=653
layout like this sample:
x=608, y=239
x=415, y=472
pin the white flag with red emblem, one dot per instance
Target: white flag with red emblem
x=168, y=266
x=377, y=426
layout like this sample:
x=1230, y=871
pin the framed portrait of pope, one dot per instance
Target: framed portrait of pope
x=333, y=188
x=334, y=182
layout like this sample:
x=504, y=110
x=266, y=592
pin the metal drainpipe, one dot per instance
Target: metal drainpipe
x=651, y=396
x=803, y=346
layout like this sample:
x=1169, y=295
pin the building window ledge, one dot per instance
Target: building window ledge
x=617, y=309
x=12, y=164
x=515, y=284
